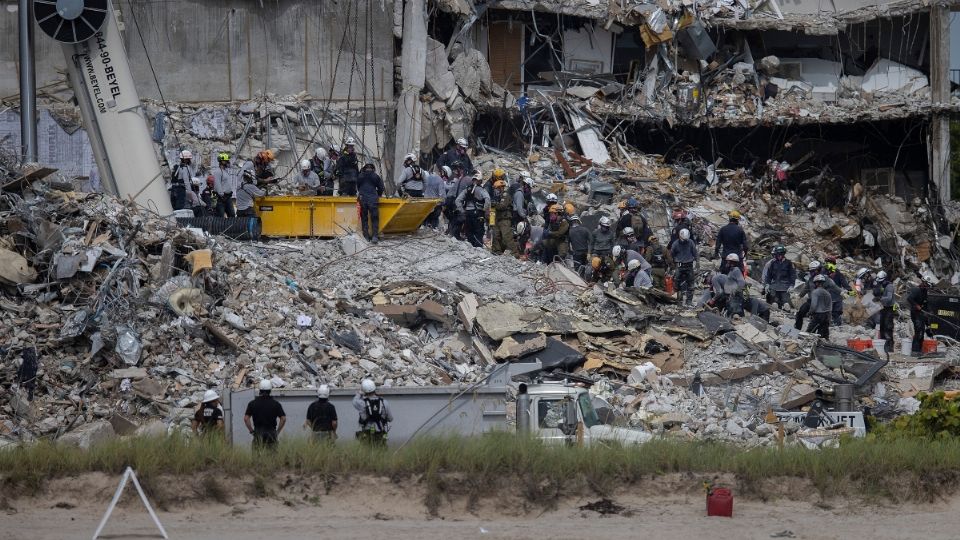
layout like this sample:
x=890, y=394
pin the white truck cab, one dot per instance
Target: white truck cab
x=562, y=413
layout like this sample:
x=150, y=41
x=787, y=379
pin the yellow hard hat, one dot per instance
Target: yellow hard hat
x=595, y=263
x=499, y=173
x=734, y=214
x=621, y=205
x=499, y=184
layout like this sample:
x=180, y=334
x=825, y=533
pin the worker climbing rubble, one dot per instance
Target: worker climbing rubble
x=731, y=239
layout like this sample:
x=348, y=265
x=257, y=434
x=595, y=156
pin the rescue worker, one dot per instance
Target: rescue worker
x=684, y=254
x=457, y=153
x=622, y=256
x=731, y=239
x=821, y=305
x=194, y=200
x=411, y=178
x=864, y=281
x=523, y=234
x=375, y=417
x=226, y=182
x=473, y=205
x=840, y=280
x=457, y=186
x=680, y=221
x=917, y=299
x=522, y=197
x=181, y=177
x=209, y=416
x=318, y=163
x=603, y=240
x=552, y=200
x=658, y=259
x=369, y=187
x=580, y=240
x=265, y=418
x=628, y=239
x=263, y=165
x=348, y=169
x=637, y=221
x=209, y=198
x=736, y=286
x=308, y=182
x=555, y=232
x=329, y=173
x=322, y=416
x=502, y=208
x=779, y=276
x=886, y=292
x=497, y=174
x=247, y=191
x=601, y=269
x=435, y=188
x=637, y=277
x=813, y=270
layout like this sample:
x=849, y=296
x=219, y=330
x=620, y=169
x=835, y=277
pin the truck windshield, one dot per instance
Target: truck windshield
x=590, y=417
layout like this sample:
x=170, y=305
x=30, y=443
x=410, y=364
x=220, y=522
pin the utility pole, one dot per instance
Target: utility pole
x=28, y=83
x=940, y=97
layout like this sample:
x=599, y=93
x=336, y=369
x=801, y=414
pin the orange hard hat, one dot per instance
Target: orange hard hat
x=595, y=263
x=569, y=208
x=499, y=184
x=266, y=155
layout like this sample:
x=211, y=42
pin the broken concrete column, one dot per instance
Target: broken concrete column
x=413, y=62
x=472, y=73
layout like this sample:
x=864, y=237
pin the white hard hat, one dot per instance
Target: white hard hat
x=684, y=234
x=552, y=197
x=574, y=218
x=733, y=257
x=633, y=264
x=617, y=250
x=814, y=265
x=628, y=231
x=930, y=279
x=604, y=221
x=368, y=386
x=881, y=275
x=522, y=226
x=411, y=155
x=196, y=181
x=461, y=142
x=186, y=154
x=349, y=142
x=446, y=171
x=323, y=391
x=265, y=384
x=527, y=179
x=321, y=151
x=210, y=395
x=305, y=165
x=819, y=278
x=862, y=272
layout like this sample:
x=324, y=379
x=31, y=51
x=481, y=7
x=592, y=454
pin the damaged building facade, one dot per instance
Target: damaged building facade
x=859, y=93
x=856, y=93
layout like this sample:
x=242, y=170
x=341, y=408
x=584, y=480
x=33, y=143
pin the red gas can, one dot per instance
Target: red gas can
x=668, y=284
x=720, y=502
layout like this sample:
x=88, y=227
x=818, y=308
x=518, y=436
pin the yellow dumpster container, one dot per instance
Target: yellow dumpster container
x=293, y=216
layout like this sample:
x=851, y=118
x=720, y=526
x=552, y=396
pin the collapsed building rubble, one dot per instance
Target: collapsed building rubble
x=132, y=318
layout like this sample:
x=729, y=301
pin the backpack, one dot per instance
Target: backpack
x=417, y=172
x=374, y=410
